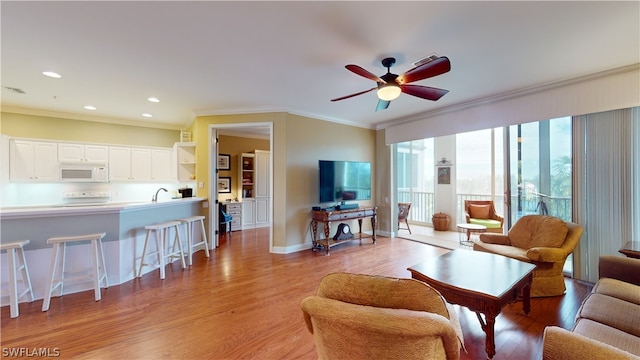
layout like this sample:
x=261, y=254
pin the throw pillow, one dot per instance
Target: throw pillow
x=479, y=211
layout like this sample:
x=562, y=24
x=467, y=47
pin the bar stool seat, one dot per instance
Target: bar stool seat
x=98, y=272
x=15, y=255
x=190, y=223
x=162, y=232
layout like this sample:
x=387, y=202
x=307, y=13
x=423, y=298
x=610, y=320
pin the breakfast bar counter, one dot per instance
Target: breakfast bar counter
x=124, y=225
x=119, y=220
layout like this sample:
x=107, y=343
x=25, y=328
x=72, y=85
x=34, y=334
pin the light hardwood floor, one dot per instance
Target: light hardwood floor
x=243, y=303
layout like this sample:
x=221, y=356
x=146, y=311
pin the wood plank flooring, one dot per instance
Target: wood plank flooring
x=243, y=303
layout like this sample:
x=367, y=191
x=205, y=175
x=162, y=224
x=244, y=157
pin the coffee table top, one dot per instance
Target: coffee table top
x=471, y=226
x=475, y=271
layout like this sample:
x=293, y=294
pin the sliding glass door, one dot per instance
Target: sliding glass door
x=540, y=169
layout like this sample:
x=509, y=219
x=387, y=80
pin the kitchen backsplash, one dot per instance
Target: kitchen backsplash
x=26, y=194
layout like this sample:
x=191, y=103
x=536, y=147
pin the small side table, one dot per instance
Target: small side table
x=631, y=249
x=467, y=229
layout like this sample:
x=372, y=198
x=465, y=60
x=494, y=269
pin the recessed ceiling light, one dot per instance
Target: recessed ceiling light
x=52, y=74
x=147, y=115
x=90, y=107
x=154, y=100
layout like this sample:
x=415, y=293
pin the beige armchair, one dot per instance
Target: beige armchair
x=542, y=240
x=483, y=212
x=374, y=317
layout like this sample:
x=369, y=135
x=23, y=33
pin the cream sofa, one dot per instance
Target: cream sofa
x=608, y=322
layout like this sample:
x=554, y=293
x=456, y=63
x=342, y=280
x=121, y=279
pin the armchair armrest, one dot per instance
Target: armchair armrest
x=561, y=344
x=498, y=239
x=467, y=217
x=547, y=254
x=620, y=268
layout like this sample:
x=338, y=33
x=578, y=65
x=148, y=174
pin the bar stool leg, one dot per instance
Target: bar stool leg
x=52, y=270
x=204, y=237
x=160, y=240
x=103, y=265
x=25, y=276
x=96, y=270
x=181, y=250
x=13, y=283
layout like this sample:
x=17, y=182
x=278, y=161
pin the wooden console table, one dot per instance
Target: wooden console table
x=327, y=216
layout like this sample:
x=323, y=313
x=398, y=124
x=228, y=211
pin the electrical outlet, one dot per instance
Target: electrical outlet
x=201, y=184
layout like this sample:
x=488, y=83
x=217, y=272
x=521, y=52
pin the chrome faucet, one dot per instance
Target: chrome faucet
x=155, y=197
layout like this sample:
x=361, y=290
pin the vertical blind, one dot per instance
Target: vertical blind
x=606, y=201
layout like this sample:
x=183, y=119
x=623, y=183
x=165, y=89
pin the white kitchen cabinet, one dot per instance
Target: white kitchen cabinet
x=161, y=165
x=33, y=161
x=90, y=153
x=139, y=164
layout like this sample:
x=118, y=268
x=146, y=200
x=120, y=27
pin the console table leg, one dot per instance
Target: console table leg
x=314, y=228
x=327, y=228
x=374, y=220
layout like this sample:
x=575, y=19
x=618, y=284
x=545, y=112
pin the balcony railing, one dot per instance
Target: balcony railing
x=423, y=208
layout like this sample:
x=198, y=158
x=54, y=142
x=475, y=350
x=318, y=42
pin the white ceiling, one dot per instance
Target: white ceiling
x=207, y=58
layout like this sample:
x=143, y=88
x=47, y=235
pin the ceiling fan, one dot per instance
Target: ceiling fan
x=391, y=85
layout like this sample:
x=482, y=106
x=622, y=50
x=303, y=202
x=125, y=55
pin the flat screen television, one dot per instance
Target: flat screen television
x=341, y=181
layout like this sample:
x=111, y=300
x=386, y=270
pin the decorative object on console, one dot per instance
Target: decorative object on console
x=343, y=232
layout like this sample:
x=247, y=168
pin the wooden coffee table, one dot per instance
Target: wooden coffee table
x=482, y=282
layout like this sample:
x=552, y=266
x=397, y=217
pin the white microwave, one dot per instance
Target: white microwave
x=83, y=172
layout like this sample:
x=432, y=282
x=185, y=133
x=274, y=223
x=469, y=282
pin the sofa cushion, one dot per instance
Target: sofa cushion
x=479, y=211
x=620, y=314
x=618, y=289
x=489, y=223
x=608, y=335
x=538, y=231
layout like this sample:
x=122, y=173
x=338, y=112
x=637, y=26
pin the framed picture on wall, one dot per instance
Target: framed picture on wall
x=224, y=162
x=444, y=175
x=224, y=184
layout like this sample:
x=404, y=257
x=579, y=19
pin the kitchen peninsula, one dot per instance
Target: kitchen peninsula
x=123, y=223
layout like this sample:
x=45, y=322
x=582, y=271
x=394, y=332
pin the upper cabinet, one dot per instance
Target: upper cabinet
x=69, y=152
x=186, y=161
x=139, y=164
x=35, y=161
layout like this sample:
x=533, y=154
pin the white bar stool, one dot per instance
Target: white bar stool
x=190, y=223
x=162, y=233
x=98, y=273
x=15, y=254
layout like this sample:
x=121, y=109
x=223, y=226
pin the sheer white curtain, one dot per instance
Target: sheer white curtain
x=606, y=201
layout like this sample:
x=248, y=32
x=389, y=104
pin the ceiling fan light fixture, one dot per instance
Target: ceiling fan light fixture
x=388, y=92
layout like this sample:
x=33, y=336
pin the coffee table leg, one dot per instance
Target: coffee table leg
x=488, y=325
x=526, y=298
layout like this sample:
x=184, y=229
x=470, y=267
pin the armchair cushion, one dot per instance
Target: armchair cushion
x=489, y=223
x=479, y=211
x=538, y=231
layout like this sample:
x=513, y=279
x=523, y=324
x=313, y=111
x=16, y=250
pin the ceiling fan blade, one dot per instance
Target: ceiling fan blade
x=424, y=92
x=430, y=69
x=352, y=95
x=382, y=104
x=364, y=73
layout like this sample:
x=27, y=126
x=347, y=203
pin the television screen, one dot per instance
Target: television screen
x=344, y=180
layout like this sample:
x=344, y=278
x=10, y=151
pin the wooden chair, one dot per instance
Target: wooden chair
x=483, y=212
x=356, y=316
x=403, y=214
